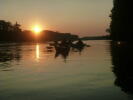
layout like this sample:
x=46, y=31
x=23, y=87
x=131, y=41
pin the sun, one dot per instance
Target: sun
x=36, y=29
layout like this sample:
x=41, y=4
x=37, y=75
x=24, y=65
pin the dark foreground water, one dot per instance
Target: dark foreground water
x=31, y=72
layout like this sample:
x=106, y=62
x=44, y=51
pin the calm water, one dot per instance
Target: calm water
x=31, y=72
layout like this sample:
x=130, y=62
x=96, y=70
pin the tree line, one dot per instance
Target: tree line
x=122, y=18
x=13, y=33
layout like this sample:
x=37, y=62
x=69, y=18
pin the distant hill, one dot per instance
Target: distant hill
x=96, y=38
x=10, y=32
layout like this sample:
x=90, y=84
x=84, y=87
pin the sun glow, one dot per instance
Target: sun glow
x=37, y=29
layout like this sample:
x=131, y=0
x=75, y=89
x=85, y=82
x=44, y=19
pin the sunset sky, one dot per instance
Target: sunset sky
x=82, y=17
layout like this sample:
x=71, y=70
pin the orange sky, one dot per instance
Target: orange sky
x=82, y=17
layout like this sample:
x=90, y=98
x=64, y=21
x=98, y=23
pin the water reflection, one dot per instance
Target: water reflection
x=122, y=59
x=37, y=52
x=12, y=53
x=64, y=52
x=9, y=53
x=78, y=49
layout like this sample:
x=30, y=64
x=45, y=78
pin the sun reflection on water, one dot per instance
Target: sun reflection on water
x=37, y=52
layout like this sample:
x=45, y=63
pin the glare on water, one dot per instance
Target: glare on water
x=32, y=71
x=37, y=52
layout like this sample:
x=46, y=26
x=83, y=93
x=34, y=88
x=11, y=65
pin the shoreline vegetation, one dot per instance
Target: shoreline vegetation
x=121, y=21
x=13, y=33
x=106, y=37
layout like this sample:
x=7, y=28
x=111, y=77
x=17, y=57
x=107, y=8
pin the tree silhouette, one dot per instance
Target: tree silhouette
x=121, y=24
x=13, y=33
x=7, y=29
x=5, y=26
